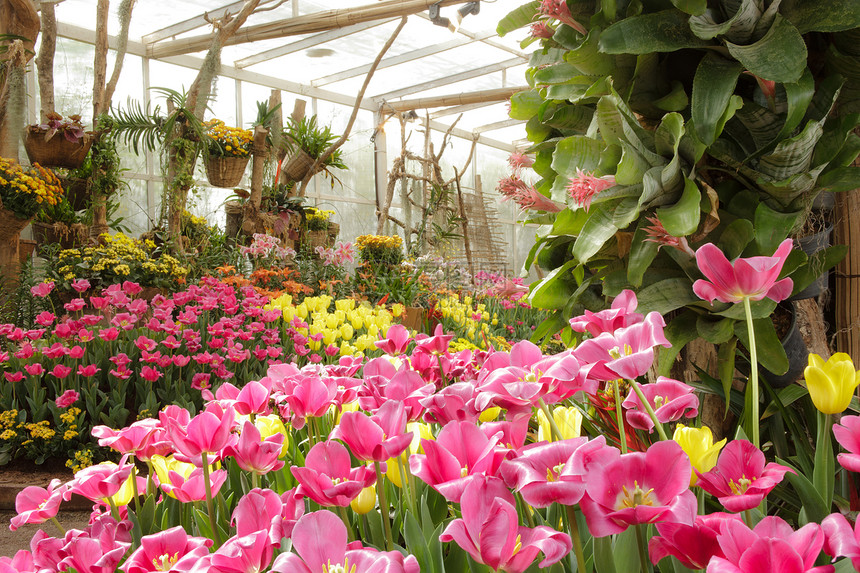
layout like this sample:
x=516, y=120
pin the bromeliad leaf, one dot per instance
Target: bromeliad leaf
x=780, y=56
x=517, y=18
x=665, y=31
x=713, y=87
x=682, y=218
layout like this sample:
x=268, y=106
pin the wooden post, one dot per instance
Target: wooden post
x=45, y=59
x=466, y=246
x=847, y=295
x=18, y=18
x=260, y=152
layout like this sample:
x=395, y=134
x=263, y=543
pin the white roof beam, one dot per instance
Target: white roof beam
x=191, y=23
x=401, y=59
x=498, y=125
x=309, y=42
x=460, y=109
x=467, y=75
x=489, y=42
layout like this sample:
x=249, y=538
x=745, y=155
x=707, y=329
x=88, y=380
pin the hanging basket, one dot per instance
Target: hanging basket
x=57, y=151
x=299, y=165
x=59, y=233
x=317, y=239
x=225, y=171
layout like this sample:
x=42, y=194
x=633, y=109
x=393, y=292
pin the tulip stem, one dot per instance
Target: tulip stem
x=619, y=414
x=134, y=484
x=255, y=480
x=753, y=372
x=383, y=507
x=554, y=431
x=660, y=430
x=640, y=545
x=574, y=536
x=60, y=527
x=210, y=507
x=405, y=486
x=442, y=371
x=349, y=533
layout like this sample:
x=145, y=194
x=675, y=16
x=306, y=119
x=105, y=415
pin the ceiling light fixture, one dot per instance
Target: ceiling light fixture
x=465, y=10
x=436, y=16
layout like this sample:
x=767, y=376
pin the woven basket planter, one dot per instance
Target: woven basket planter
x=298, y=166
x=333, y=232
x=51, y=233
x=225, y=171
x=316, y=239
x=57, y=151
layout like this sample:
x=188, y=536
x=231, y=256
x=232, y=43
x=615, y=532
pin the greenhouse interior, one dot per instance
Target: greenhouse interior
x=477, y=285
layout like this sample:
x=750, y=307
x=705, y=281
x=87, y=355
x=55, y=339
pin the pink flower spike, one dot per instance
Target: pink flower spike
x=37, y=505
x=585, y=186
x=639, y=488
x=847, y=433
x=669, y=398
x=754, y=277
x=740, y=480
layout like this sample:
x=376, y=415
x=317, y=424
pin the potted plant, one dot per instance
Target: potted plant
x=228, y=152
x=318, y=228
x=58, y=142
x=60, y=224
x=305, y=142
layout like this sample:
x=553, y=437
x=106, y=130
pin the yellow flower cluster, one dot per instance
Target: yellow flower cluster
x=82, y=459
x=121, y=256
x=473, y=319
x=8, y=420
x=317, y=219
x=353, y=328
x=229, y=141
x=40, y=430
x=27, y=192
x=378, y=242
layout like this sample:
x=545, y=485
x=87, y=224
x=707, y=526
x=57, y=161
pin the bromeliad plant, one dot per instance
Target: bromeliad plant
x=657, y=128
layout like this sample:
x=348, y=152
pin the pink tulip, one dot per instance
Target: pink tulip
x=88, y=370
x=171, y=549
x=436, y=344
x=61, y=371
x=625, y=353
x=310, y=397
x=545, y=473
x=396, y=341
x=81, y=285
x=254, y=454
x=847, y=433
x=489, y=531
x=150, y=374
x=378, y=437
x=455, y=402
x=754, y=278
x=620, y=314
x=640, y=488
x=740, y=480
x=21, y=562
x=247, y=554
x=320, y=542
x=99, y=481
x=35, y=369
x=66, y=399
x=842, y=539
x=37, y=505
x=328, y=478
x=460, y=451
x=209, y=431
x=193, y=488
x=408, y=388
x=771, y=546
x=132, y=439
x=252, y=398
x=265, y=510
x=692, y=545
x=668, y=398
x=45, y=318
x=42, y=290
x=88, y=555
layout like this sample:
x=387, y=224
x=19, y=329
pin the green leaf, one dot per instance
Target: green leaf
x=715, y=331
x=737, y=28
x=517, y=18
x=596, y=231
x=675, y=100
x=525, y=104
x=798, y=96
x=813, y=504
x=772, y=227
x=713, y=87
x=554, y=290
x=791, y=156
x=771, y=354
x=665, y=31
x=735, y=238
x=787, y=396
x=666, y=295
x=576, y=152
x=726, y=355
x=603, y=555
x=642, y=254
x=780, y=56
x=632, y=166
x=840, y=179
x=693, y=7
x=680, y=331
x=682, y=218
x=569, y=117
x=588, y=59
x=822, y=15
x=556, y=74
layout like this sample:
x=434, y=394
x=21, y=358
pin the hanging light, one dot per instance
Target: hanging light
x=436, y=17
x=465, y=10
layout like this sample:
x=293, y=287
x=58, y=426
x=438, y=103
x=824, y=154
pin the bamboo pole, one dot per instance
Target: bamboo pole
x=484, y=96
x=307, y=24
x=847, y=296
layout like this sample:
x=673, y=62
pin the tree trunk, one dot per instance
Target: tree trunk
x=45, y=59
x=10, y=266
x=260, y=151
x=100, y=59
x=18, y=18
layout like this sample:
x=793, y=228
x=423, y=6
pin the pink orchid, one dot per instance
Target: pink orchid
x=460, y=451
x=193, y=488
x=328, y=478
x=692, y=545
x=42, y=290
x=620, y=314
x=375, y=438
x=670, y=399
x=67, y=398
x=489, y=531
x=754, y=278
x=396, y=340
x=625, y=353
x=740, y=480
x=254, y=454
x=585, y=186
x=842, y=539
x=771, y=546
x=320, y=541
x=37, y=505
x=847, y=433
x=171, y=549
x=640, y=488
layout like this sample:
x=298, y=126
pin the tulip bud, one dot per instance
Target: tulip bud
x=831, y=384
x=365, y=501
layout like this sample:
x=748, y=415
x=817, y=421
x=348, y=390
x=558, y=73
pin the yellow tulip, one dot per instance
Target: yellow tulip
x=348, y=407
x=331, y=321
x=568, y=420
x=163, y=466
x=271, y=425
x=698, y=444
x=419, y=430
x=365, y=501
x=397, y=309
x=329, y=336
x=302, y=310
x=345, y=304
x=489, y=414
x=831, y=384
x=346, y=331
